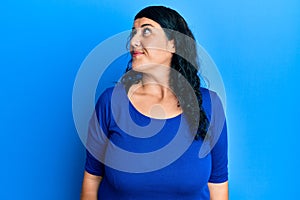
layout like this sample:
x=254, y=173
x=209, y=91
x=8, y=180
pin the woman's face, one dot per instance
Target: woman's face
x=149, y=45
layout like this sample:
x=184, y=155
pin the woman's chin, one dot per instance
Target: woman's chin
x=138, y=67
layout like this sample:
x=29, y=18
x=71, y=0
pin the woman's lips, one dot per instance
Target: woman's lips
x=137, y=53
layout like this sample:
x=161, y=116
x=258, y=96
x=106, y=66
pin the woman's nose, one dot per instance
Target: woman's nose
x=135, y=41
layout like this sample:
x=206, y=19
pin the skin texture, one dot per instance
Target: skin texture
x=90, y=186
x=218, y=191
x=151, y=54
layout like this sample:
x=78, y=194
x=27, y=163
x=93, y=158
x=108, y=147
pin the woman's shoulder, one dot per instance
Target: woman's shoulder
x=109, y=92
x=211, y=100
x=208, y=95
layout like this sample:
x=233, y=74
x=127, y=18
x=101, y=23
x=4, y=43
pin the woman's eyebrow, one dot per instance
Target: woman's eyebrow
x=143, y=25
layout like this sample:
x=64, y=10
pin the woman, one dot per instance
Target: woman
x=161, y=87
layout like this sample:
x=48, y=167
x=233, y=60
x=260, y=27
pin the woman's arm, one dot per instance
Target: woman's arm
x=218, y=191
x=90, y=186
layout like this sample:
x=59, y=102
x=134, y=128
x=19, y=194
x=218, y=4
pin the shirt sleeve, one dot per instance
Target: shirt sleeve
x=219, y=152
x=97, y=138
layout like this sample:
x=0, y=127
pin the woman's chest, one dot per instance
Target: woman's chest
x=154, y=155
x=157, y=171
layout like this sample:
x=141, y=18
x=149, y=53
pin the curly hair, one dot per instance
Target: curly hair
x=184, y=62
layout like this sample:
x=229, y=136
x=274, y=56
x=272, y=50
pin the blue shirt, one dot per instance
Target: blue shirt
x=147, y=158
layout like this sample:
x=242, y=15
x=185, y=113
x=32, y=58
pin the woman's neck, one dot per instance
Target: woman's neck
x=157, y=84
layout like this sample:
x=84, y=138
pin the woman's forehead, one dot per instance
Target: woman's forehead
x=141, y=22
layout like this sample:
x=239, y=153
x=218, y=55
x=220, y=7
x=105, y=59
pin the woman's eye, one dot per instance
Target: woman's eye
x=146, y=32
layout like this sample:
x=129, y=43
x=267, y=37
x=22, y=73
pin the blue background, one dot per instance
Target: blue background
x=255, y=44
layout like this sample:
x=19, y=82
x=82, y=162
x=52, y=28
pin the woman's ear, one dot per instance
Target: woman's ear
x=171, y=46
